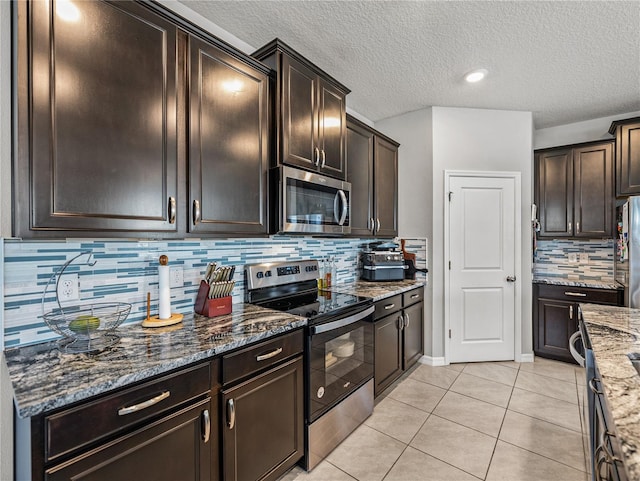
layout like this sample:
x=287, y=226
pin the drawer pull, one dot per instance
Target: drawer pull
x=269, y=355
x=389, y=306
x=575, y=294
x=415, y=296
x=206, y=426
x=143, y=405
x=592, y=386
x=231, y=414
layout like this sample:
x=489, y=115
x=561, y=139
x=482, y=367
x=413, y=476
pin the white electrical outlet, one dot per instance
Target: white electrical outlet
x=176, y=277
x=572, y=257
x=584, y=258
x=68, y=288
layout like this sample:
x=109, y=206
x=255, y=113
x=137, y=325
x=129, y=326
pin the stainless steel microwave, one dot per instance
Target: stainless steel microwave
x=311, y=203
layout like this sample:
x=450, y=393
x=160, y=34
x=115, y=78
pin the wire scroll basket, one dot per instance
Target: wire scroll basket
x=87, y=327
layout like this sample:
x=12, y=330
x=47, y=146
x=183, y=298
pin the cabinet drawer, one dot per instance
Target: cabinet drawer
x=385, y=307
x=252, y=359
x=79, y=426
x=580, y=294
x=413, y=296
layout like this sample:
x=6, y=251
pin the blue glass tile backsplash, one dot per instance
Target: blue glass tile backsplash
x=552, y=259
x=127, y=269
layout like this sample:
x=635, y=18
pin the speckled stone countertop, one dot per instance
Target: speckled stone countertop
x=604, y=283
x=377, y=290
x=44, y=378
x=614, y=332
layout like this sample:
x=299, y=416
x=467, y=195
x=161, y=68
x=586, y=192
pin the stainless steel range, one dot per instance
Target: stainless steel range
x=338, y=352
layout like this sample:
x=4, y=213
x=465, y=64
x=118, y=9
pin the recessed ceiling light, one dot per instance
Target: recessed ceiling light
x=476, y=75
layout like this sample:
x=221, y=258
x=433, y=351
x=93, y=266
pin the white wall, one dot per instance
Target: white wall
x=596, y=129
x=415, y=178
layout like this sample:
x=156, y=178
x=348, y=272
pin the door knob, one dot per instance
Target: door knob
x=511, y=278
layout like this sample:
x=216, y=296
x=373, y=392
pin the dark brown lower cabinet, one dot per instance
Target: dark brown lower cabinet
x=176, y=447
x=398, y=336
x=263, y=424
x=555, y=316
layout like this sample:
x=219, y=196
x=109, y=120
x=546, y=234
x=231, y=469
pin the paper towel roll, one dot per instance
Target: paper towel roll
x=164, y=302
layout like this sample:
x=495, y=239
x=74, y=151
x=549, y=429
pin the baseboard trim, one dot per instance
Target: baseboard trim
x=525, y=358
x=432, y=361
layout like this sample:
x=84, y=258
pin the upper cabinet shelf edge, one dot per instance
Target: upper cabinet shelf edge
x=627, y=134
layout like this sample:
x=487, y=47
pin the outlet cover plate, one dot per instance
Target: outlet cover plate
x=572, y=257
x=69, y=288
x=176, y=277
x=584, y=258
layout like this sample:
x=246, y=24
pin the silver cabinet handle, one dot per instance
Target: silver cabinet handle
x=406, y=320
x=143, y=405
x=570, y=226
x=324, y=158
x=577, y=226
x=231, y=414
x=575, y=294
x=373, y=225
x=317, y=151
x=172, y=210
x=592, y=386
x=400, y=322
x=415, y=296
x=570, y=312
x=196, y=211
x=389, y=306
x=378, y=225
x=269, y=355
x=345, y=207
x=206, y=426
x=511, y=278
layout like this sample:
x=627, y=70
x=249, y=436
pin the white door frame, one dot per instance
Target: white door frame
x=517, y=333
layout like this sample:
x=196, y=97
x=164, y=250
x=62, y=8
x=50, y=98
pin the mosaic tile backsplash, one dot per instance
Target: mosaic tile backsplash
x=126, y=270
x=551, y=259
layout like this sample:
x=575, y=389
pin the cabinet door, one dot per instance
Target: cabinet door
x=413, y=334
x=593, y=190
x=228, y=155
x=386, y=188
x=388, y=351
x=299, y=136
x=360, y=175
x=103, y=151
x=263, y=424
x=555, y=193
x=179, y=446
x=332, y=130
x=628, y=159
x=555, y=322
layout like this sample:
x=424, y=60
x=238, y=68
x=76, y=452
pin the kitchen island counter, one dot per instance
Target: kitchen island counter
x=44, y=378
x=614, y=333
x=377, y=290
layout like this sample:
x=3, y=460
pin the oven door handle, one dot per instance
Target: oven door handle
x=330, y=326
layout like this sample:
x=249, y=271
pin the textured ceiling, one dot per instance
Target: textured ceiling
x=565, y=61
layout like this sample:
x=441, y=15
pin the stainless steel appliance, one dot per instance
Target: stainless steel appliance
x=382, y=262
x=627, y=255
x=338, y=353
x=310, y=203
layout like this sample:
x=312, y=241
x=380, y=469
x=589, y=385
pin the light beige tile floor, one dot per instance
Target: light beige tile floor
x=488, y=421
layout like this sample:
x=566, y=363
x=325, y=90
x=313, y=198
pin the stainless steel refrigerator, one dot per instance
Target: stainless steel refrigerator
x=627, y=255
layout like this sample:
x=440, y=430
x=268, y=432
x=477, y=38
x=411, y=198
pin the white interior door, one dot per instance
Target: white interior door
x=482, y=251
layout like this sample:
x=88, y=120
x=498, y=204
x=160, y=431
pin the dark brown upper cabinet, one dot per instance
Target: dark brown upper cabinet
x=131, y=121
x=228, y=154
x=97, y=115
x=310, y=112
x=627, y=134
x=574, y=190
x=372, y=170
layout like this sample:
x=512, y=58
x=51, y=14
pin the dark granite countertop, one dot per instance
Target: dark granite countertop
x=44, y=378
x=377, y=290
x=614, y=332
x=604, y=283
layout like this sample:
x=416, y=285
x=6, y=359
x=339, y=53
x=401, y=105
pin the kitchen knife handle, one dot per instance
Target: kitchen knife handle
x=206, y=426
x=143, y=405
x=324, y=158
x=231, y=414
x=172, y=210
x=196, y=211
x=317, y=151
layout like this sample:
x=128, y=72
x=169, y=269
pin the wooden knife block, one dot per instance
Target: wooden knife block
x=216, y=307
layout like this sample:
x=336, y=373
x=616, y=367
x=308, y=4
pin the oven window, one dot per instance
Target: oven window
x=309, y=203
x=340, y=363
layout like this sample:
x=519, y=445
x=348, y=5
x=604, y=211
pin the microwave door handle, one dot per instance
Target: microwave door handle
x=345, y=207
x=335, y=207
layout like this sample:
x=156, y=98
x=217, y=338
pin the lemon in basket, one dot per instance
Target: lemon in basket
x=84, y=323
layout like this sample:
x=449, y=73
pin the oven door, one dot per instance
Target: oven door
x=313, y=203
x=340, y=359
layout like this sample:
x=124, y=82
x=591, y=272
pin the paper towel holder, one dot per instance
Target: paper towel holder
x=155, y=321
